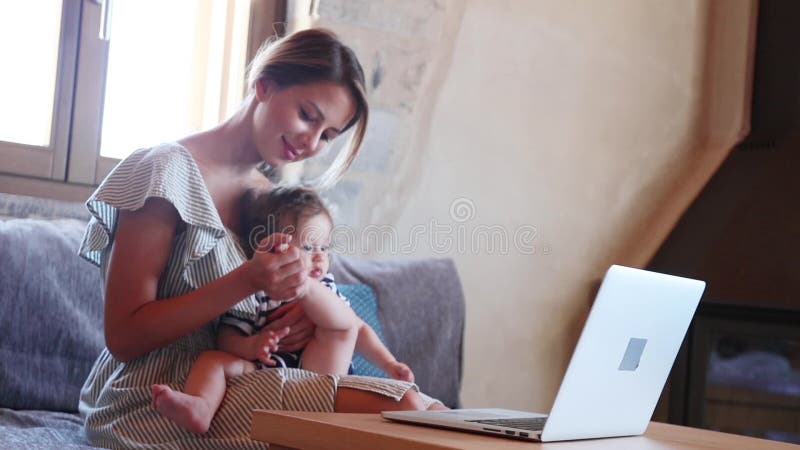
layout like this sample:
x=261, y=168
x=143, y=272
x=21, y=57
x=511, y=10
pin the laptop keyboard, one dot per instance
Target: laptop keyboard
x=530, y=424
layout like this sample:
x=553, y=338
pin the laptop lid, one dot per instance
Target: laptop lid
x=617, y=371
x=624, y=355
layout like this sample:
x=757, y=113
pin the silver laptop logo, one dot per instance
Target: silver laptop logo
x=633, y=354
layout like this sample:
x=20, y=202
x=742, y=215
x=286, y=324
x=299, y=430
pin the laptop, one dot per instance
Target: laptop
x=617, y=371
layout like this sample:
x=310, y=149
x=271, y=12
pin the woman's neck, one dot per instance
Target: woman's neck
x=229, y=144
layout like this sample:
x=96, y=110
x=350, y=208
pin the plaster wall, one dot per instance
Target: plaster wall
x=575, y=132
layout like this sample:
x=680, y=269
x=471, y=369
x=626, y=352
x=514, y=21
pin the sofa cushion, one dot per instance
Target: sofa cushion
x=41, y=430
x=50, y=314
x=421, y=308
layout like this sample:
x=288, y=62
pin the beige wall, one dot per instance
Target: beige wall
x=594, y=123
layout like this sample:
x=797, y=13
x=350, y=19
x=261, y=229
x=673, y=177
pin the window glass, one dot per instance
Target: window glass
x=29, y=39
x=168, y=65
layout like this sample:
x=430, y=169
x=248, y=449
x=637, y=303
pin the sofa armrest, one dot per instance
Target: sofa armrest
x=51, y=314
x=421, y=310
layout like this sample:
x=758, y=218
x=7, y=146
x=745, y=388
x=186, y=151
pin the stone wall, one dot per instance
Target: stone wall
x=401, y=46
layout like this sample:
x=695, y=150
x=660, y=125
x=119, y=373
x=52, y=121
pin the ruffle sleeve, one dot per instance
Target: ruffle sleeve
x=168, y=172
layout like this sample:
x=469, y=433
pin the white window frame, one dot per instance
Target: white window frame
x=89, y=91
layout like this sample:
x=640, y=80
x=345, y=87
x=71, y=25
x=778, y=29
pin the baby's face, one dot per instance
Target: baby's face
x=313, y=238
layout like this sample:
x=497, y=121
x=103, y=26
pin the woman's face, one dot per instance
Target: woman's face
x=297, y=122
x=313, y=238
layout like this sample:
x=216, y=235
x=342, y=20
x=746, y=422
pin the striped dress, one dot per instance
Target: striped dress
x=115, y=400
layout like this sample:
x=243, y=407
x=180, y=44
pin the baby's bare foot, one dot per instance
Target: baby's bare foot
x=188, y=411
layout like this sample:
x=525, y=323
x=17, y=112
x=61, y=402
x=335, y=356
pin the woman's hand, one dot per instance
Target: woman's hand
x=293, y=316
x=277, y=269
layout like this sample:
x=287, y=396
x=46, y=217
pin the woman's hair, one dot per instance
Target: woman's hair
x=311, y=56
x=276, y=211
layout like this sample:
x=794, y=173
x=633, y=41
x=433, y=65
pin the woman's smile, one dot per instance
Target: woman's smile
x=289, y=151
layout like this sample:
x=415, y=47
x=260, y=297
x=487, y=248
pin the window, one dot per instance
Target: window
x=40, y=40
x=28, y=95
x=185, y=74
x=171, y=68
x=75, y=104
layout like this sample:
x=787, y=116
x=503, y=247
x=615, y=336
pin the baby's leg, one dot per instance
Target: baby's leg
x=194, y=408
x=331, y=348
x=330, y=351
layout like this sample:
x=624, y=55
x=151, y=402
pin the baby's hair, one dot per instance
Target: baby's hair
x=277, y=211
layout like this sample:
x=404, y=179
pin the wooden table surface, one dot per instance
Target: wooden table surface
x=334, y=431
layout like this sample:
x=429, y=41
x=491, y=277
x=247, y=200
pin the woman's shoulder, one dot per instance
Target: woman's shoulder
x=168, y=162
x=167, y=171
x=167, y=152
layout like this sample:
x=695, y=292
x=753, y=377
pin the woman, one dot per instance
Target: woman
x=162, y=233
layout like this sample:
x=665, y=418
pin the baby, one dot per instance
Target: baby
x=245, y=346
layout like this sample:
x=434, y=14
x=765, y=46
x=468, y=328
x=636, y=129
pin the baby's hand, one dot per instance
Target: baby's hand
x=399, y=371
x=266, y=342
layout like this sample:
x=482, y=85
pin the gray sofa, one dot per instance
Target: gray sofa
x=51, y=320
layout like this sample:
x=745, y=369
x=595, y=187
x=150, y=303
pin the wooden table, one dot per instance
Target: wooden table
x=330, y=431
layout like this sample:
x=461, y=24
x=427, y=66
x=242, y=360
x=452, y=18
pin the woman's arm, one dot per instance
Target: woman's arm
x=369, y=345
x=136, y=324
